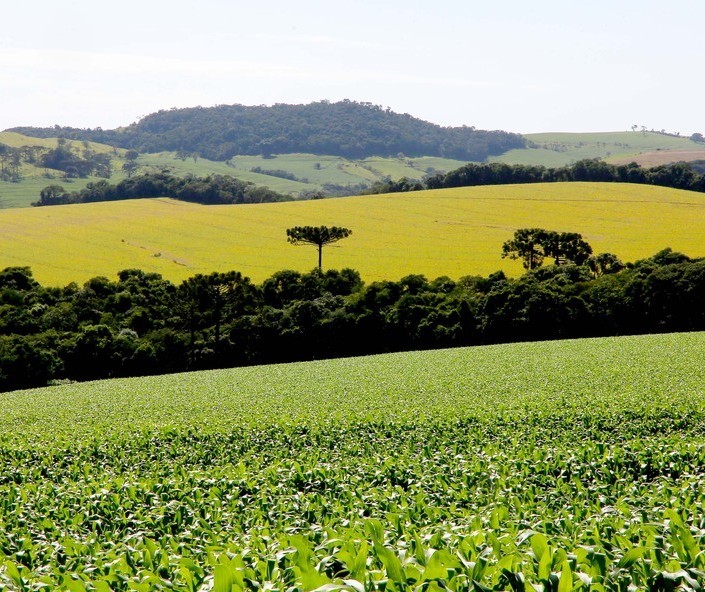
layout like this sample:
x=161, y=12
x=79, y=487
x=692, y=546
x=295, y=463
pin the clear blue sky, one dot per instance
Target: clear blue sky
x=525, y=66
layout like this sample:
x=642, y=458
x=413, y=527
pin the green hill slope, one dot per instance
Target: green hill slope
x=574, y=460
x=294, y=174
x=558, y=149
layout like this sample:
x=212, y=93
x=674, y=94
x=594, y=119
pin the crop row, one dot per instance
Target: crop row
x=373, y=474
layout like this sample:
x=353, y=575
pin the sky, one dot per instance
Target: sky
x=518, y=65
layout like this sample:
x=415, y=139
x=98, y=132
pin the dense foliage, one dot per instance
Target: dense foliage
x=533, y=245
x=558, y=466
x=680, y=175
x=346, y=128
x=143, y=324
x=213, y=189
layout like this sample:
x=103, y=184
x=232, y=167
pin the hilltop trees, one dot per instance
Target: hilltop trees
x=317, y=236
x=345, y=128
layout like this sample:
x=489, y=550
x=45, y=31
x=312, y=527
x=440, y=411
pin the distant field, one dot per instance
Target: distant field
x=651, y=159
x=312, y=172
x=558, y=149
x=452, y=232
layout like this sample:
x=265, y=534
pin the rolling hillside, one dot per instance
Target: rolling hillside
x=452, y=232
x=580, y=460
x=645, y=148
x=22, y=154
x=293, y=174
x=346, y=128
x=304, y=174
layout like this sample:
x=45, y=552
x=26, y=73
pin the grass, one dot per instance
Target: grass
x=312, y=171
x=36, y=178
x=559, y=149
x=573, y=465
x=659, y=157
x=452, y=232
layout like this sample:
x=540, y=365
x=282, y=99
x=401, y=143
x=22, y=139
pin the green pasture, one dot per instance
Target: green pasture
x=313, y=172
x=559, y=149
x=35, y=178
x=572, y=465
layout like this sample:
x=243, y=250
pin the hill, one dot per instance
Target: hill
x=347, y=128
x=544, y=464
x=452, y=232
x=23, y=175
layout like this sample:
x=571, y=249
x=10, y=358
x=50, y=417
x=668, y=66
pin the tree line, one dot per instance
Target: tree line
x=225, y=189
x=143, y=324
x=347, y=128
x=680, y=175
x=212, y=189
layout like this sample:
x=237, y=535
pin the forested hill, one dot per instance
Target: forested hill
x=347, y=128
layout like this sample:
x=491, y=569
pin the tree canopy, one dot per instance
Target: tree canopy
x=212, y=189
x=317, y=236
x=346, y=128
x=532, y=245
x=143, y=324
x=679, y=175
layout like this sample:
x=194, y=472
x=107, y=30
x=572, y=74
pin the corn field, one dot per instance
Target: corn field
x=556, y=466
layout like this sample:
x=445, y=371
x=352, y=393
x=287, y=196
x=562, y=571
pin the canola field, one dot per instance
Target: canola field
x=556, y=466
x=453, y=232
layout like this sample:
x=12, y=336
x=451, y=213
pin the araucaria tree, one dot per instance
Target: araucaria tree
x=532, y=245
x=317, y=236
x=527, y=246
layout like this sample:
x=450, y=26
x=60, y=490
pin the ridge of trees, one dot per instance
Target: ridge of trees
x=679, y=175
x=347, y=128
x=143, y=324
x=212, y=189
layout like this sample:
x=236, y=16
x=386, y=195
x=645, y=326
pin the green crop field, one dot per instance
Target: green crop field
x=555, y=466
x=452, y=232
x=559, y=149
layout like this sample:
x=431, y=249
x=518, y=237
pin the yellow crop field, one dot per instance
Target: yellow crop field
x=452, y=232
